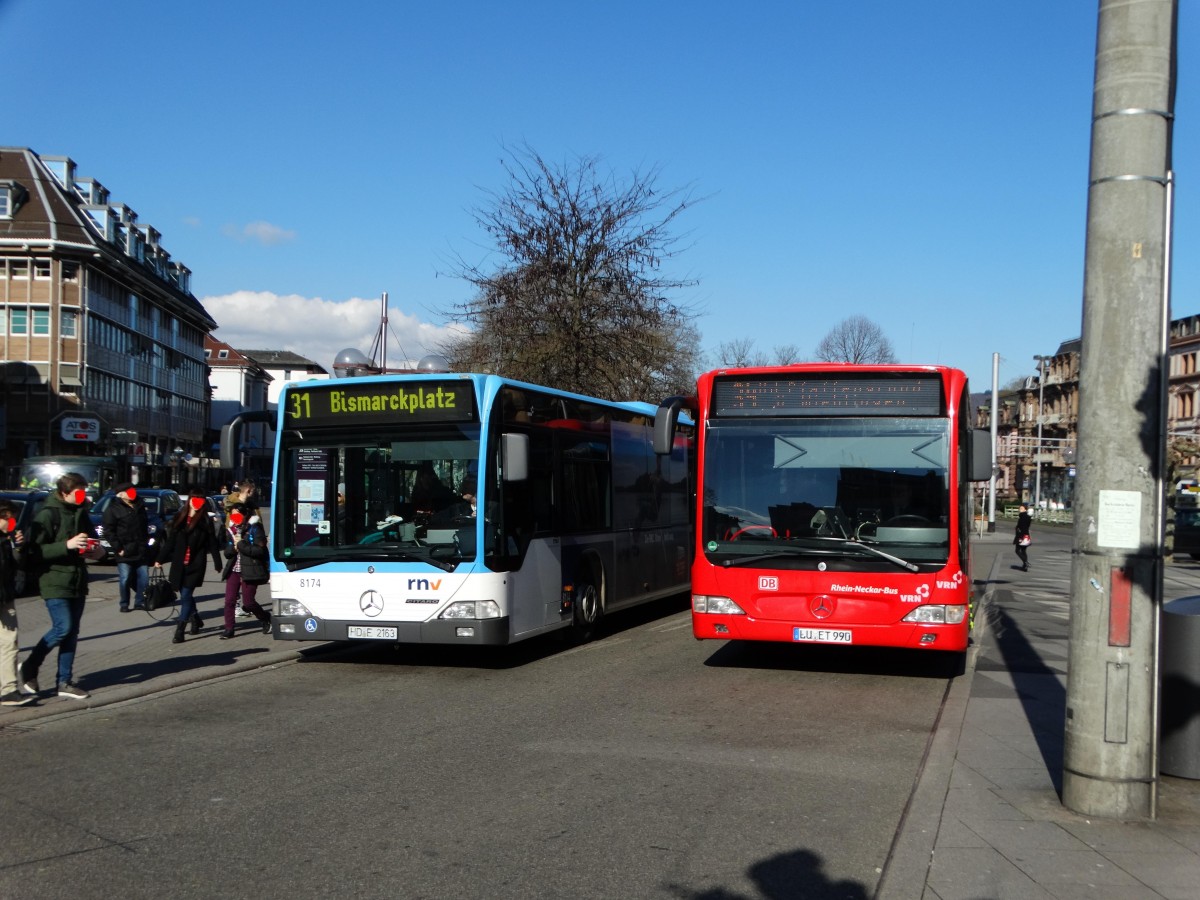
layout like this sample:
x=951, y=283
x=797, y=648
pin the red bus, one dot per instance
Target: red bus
x=833, y=503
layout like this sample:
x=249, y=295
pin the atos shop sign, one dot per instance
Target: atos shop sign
x=80, y=428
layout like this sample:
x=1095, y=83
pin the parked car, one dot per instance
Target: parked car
x=216, y=508
x=1187, y=531
x=161, y=506
x=26, y=503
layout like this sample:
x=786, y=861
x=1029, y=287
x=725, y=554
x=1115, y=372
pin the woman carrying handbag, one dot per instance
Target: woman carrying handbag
x=245, y=568
x=190, y=541
x=1022, y=539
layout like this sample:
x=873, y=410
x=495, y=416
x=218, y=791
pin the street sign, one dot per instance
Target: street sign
x=80, y=428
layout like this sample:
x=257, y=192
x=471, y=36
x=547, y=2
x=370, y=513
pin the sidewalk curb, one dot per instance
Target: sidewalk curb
x=51, y=706
x=906, y=870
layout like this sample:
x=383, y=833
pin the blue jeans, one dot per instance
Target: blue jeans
x=141, y=573
x=187, y=603
x=65, y=616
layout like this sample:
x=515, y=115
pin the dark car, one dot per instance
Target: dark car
x=1187, y=531
x=216, y=509
x=161, y=506
x=26, y=503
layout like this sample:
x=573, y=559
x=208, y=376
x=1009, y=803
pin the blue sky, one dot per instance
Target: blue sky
x=921, y=164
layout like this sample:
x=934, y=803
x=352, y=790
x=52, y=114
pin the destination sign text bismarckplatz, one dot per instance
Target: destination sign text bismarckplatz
x=331, y=403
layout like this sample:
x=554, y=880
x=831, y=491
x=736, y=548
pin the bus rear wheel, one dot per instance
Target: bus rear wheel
x=587, y=611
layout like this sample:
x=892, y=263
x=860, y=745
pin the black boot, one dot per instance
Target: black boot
x=179, y=627
x=266, y=624
x=197, y=623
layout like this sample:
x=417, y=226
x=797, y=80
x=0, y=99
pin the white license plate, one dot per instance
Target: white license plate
x=371, y=632
x=823, y=635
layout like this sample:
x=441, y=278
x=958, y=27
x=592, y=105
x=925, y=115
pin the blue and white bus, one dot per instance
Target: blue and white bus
x=468, y=509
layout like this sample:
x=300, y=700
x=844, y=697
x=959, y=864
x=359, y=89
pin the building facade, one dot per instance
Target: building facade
x=99, y=325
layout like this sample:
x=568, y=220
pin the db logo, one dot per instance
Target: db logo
x=768, y=583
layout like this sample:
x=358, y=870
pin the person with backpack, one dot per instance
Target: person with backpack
x=246, y=567
x=12, y=554
x=61, y=540
x=189, y=543
x=128, y=534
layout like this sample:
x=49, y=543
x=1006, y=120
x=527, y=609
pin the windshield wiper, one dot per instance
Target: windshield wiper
x=799, y=550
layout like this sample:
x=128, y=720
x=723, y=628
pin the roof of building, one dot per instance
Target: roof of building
x=277, y=359
x=54, y=212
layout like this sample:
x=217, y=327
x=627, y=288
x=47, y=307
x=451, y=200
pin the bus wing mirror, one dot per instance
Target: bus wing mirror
x=665, y=420
x=231, y=434
x=514, y=456
x=980, y=456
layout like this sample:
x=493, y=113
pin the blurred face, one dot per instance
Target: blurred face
x=77, y=496
x=236, y=517
x=130, y=494
x=196, y=503
x=7, y=524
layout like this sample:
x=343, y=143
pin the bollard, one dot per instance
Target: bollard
x=1180, y=670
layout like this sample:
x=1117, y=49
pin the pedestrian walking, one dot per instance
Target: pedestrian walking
x=61, y=540
x=189, y=543
x=245, y=569
x=1022, y=540
x=11, y=557
x=128, y=533
x=245, y=493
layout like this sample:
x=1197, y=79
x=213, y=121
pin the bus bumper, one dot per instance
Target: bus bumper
x=482, y=632
x=707, y=626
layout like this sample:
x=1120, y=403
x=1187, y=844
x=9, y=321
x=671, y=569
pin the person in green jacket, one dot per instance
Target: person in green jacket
x=61, y=539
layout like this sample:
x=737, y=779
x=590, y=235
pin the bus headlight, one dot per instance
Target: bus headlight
x=472, y=609
x=703, y=603
x=937, y=615
x=291, y=608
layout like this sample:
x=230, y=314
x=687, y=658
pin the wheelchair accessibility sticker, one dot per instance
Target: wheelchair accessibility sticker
x=310, y=625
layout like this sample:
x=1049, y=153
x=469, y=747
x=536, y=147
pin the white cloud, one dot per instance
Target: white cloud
x=261, y=232
x=319, y=329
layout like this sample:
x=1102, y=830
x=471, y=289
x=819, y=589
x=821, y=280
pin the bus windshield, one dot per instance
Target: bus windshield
x=799, y=492
x=403, y=495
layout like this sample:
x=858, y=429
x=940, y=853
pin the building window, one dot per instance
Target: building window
x=222, y=354
x=3, y=321
x=1186, y=406
x=68, y=323
x=41, y=322
x=41, y=269
x=18, y=321
x=70, y=271
x=18, y=269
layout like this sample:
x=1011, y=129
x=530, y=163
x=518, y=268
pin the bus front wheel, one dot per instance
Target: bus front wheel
x=587, y=612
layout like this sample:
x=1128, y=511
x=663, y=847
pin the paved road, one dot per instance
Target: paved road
x=644, y=765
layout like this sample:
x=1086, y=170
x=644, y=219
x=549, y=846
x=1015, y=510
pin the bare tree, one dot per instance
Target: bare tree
x=856, y=340
x=740, y=352
x=578, y=299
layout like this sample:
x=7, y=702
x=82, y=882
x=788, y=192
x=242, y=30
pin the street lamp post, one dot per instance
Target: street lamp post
x=1037, y=479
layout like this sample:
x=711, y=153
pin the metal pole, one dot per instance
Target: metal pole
x=1037, y=481
x=995, y=449
x=1110, y=749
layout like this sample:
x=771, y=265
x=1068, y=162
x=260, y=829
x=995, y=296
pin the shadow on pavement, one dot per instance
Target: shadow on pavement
x=1043, y=697
x=158, y=668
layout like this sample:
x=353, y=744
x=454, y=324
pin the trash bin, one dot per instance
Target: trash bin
x=1179, y=751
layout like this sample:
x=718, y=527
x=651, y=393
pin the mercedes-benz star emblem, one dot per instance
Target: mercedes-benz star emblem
x=371, y=603
x=821, y=606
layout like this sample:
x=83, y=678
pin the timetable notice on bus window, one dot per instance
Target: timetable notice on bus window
x=384, y=400
x=916, y=394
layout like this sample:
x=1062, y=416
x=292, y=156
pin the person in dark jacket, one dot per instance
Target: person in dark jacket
x=128, y=533
x=11, y=553
x=1021, y=539
x=189, y=544
x=61, y=540
x=246, y=568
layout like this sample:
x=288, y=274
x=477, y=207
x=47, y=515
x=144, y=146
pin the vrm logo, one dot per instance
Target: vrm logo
x=953, y=583
x=919, y=596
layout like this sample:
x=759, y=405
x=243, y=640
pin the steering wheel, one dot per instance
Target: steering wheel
x=750, y=529
x=906, y=521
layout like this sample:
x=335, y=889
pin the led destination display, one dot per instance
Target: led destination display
x=821, y=395
x=332, y=403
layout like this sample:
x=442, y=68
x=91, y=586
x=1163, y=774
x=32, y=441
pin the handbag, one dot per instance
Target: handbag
x=159, y=593
x=1025, y=540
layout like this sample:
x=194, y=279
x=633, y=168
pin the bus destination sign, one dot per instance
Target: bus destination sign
x=383, y=402
x=916, y=394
